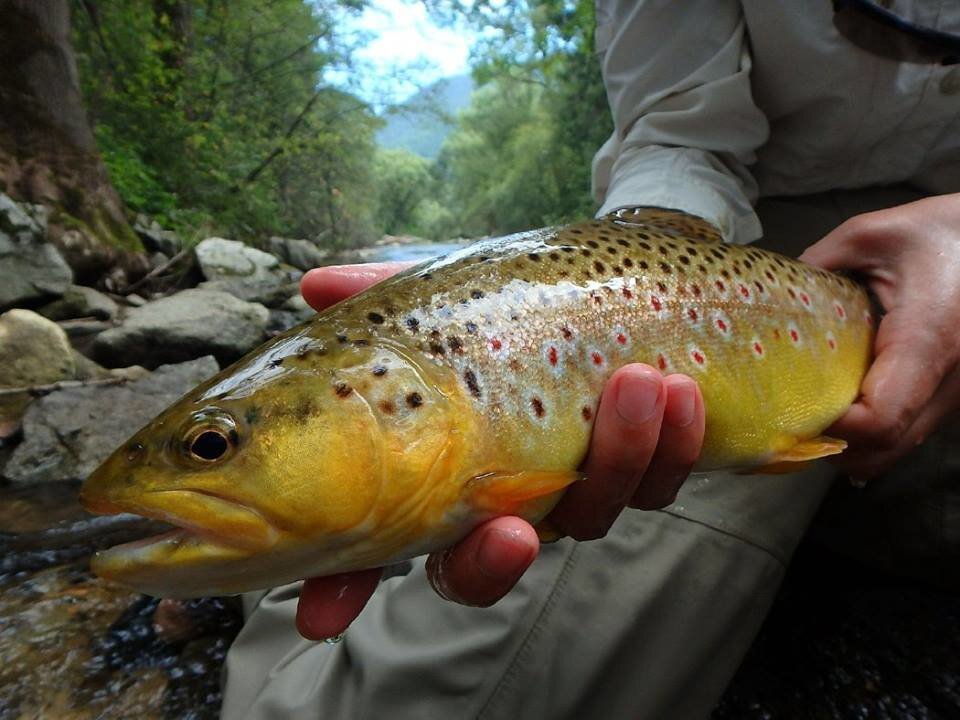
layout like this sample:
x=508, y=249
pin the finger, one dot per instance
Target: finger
x=329, y=604
x=865, y=464
x=902, y=379
x=483, y=567
x=840, y=249
x=325, y=286
x=681, y=439
x=624, y=439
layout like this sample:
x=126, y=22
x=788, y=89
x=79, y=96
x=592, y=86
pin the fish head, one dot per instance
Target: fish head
x=296, y=469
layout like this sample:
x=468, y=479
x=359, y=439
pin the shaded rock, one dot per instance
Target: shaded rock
x=187, y=325
x=134, y=300
x=292, y=312
x=302, y=254
x=33, y=351
x=245, y=272
x=155, y=238
x=67, y=433
x=31, y=269
x=87, y=369
x=21, y=220
x=79, y=301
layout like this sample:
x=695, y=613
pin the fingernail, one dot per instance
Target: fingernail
x=637, y=396
x=681, y=404
x=499, y=556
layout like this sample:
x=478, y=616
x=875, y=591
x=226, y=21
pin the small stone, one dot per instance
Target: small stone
x=79, y=301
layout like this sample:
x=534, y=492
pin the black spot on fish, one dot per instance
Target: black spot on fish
x=342, y=338
x=554, y=256
x=426, y=276
x=277, y=362
x=379, y=371
x=476, y=294
x=623, y=243
x=537, y=405
x=342, y=389
x=437, y=349
x=362, y=342
x=387, y=407
x=375, y=318
x=303, y=410
x=599, y=266
x=586, y=253
x=471, y=379
x=534, y=257
x=666, y=267
x=456, y=345
x=644, y=265
x=413, y=323
x=471, y=327
x=252, y=415
x=593, y=243
x=414, y=400
x=684, y=259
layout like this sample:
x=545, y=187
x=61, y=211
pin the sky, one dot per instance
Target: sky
x=405, y=51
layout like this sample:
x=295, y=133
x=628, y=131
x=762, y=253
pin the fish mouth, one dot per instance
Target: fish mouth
x=198, y=516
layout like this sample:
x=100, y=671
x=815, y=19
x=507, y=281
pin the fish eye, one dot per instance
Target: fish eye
x=209, y=445
x=210, y=436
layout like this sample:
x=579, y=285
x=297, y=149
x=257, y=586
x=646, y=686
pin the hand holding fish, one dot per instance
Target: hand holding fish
x=648, y=434
x=909, y=257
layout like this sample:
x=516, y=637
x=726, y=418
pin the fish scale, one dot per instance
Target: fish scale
x=467, y=387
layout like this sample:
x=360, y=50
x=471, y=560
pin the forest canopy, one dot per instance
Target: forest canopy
x=221, y=116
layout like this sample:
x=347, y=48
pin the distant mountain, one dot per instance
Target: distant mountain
x=423, y=121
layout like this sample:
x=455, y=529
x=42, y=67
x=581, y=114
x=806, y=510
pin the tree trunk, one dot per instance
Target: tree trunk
x=47, y=150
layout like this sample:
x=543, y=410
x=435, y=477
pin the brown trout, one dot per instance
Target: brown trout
x=465, y=388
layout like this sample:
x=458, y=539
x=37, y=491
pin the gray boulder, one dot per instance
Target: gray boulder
x=67, y=433
x=31, y=269
x=79, y=301
x=187, y=325
x=302, y=254
x=245, y=272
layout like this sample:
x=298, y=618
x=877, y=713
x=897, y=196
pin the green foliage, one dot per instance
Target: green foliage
x=520, y=155
x=218, y=112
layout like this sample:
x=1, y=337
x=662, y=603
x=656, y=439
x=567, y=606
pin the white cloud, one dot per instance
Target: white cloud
x=405, y=51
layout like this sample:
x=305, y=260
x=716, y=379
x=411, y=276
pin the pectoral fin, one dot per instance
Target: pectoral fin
x=506, y=492
x=799, y=456
x=548, y=532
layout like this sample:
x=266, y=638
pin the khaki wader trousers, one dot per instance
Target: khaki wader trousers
x=649, y=622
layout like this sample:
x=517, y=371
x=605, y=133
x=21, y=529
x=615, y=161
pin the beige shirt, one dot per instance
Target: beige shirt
x=718, y=102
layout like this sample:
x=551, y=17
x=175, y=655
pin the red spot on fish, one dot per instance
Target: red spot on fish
x=661, y=362
x=597, y=358
x=621, y=338
x=586, y=413
x=758, y=348
x=662, y=288
x=552, y=355
x=692, y=314
x=745, y=291
x=841, y=313
x=805, y=299
x=832, y=343
x=495, y=344
x=721, y=325
x=566, y=332
x=794, y=335
x=776, y=334
x=698, y=357
x=720, y=286
x=537, y=405
x=655, y=303
x=627, y=294
x=696, y=290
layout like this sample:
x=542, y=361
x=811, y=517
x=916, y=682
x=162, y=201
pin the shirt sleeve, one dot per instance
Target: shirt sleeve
x=685, y=123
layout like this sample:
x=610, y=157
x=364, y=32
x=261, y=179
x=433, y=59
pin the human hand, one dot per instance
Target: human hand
x=647, y=435
x=910, y=255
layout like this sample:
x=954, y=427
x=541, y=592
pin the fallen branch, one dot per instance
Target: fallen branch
x=41, y=390
x=159, y=269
